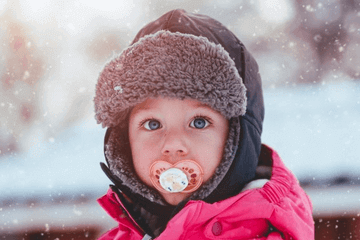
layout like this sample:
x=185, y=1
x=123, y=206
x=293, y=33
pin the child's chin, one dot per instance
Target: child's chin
x=174, y=198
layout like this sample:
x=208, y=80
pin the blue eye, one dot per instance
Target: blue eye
x=199, y=123
x=152, y=124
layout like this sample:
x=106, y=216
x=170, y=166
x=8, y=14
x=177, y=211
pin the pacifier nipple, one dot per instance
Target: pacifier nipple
x=185, y=176
x=173, y=180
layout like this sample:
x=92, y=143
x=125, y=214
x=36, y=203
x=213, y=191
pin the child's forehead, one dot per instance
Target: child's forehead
x=159, y=103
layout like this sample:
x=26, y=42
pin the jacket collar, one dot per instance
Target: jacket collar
x=271, y=191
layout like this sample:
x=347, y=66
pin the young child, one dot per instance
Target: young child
x=183, y=108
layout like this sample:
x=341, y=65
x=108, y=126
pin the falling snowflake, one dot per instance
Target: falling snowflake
x=118, y=88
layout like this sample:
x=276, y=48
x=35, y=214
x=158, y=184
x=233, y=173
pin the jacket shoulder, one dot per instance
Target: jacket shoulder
x=127, y=227
x=292, y=212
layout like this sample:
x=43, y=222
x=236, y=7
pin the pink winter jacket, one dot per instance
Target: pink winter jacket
x=281, y=202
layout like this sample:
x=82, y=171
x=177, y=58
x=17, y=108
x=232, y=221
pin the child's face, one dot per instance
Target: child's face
x=173, y=130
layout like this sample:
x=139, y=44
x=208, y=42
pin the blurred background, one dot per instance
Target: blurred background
x=50, y=146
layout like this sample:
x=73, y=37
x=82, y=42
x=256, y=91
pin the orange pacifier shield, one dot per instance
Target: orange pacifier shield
x=185, y=176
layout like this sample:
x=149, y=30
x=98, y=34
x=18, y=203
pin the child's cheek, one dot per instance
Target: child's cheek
x=150, y=141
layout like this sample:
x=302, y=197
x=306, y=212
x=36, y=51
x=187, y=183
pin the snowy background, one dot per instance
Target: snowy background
x=52, y=52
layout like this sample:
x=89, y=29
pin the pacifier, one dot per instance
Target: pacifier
x=185, y=176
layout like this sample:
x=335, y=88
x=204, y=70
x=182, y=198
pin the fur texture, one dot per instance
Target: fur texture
x=173, y=65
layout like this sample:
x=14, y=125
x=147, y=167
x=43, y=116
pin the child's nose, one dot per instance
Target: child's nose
x=175, y=145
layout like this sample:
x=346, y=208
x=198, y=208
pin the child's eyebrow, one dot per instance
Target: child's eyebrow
x=206, y=107
x=138, y=109
x=202, y=105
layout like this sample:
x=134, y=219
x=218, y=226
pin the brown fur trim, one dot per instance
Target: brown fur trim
x=118, y=154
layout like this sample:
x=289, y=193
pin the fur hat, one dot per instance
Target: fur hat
x=173, y=65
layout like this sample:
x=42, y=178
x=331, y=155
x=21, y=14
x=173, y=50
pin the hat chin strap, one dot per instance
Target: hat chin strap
x=185, y=176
